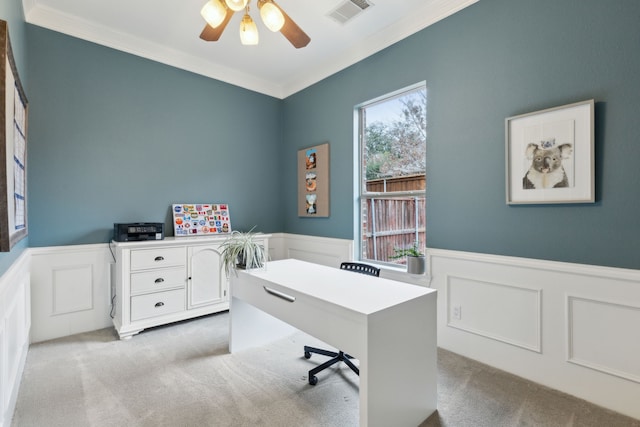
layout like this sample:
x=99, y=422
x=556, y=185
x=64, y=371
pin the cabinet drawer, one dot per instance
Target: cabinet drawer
x=157, y=304
x=156, y=258
x=158, y=279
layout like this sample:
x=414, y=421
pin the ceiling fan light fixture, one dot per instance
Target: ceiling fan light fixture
x=213, y=12
x=248, y=31
x=271, y=16
x=236, y=5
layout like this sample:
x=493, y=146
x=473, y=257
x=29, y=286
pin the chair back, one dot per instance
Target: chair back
x=358, y=267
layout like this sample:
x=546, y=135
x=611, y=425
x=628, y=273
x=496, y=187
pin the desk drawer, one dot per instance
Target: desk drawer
x=339, y=326
x=157, y=280
x=157, y=304
x=157, y=258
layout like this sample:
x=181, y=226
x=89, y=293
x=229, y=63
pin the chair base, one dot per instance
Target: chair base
x=335, y=358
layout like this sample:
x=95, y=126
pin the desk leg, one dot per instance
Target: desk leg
x=398, y=373
x=251, y=327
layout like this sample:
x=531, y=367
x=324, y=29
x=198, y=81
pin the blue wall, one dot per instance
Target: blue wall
x=11, y=11
x=495, y=59
x=117, y=138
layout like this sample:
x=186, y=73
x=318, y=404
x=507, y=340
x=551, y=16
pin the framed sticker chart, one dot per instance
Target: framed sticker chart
x=13, y=148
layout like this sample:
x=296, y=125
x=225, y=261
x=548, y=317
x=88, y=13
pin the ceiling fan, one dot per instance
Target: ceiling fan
x=218, y=13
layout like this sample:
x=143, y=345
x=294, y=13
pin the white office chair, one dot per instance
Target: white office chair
x=339, y=356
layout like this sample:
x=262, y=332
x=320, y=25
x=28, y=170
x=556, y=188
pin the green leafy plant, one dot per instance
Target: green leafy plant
x=242, y=250
x=413, y=250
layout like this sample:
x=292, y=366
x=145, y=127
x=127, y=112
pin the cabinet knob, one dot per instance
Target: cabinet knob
x=159, y=258
x=159, y=280
x=159, y=304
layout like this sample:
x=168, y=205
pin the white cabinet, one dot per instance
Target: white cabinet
x=159, y=282
x=206, y=283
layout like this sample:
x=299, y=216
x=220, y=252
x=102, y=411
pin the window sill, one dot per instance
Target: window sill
x=401, y=275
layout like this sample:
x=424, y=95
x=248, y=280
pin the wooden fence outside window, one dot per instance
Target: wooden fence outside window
x=393, y=222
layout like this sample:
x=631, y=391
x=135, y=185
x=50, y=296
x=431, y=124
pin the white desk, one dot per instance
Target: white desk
x=389, y=326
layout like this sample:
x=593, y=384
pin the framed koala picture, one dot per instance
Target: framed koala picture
x=549, y=155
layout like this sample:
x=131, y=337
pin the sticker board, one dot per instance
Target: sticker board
x=200, y=219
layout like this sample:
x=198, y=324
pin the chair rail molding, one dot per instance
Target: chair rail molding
x=571, y=327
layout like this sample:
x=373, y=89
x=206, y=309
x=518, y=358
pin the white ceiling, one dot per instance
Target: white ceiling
x=168, y=31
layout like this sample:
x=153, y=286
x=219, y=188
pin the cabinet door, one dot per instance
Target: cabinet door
x=207, y=283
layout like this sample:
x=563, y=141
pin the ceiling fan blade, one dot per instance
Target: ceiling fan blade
x=211, y=34
x=293, y=32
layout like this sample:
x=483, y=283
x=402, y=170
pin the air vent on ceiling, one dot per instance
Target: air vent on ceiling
x=348, y=10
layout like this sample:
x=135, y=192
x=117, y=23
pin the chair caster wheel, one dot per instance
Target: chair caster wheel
x=313, y=380
x=307, y=355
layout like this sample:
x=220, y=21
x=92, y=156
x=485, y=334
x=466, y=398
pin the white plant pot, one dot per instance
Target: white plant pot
x=416, y=264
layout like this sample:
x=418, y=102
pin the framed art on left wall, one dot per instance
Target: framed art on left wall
x=13, y=148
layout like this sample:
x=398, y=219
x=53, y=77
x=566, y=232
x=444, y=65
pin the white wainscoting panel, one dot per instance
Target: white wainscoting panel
x=320, y=250
x=594, y=325
x=15, y=322
x=490, y=307
x=515, y=321
x=70, y=290
x=330, y=252
x=277, y=246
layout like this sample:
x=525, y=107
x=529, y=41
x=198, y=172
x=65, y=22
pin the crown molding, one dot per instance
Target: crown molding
x=55, y=20
x=90, y=31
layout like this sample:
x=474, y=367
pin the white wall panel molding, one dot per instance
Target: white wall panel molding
x=330, y=252
x=15, y=323
x=321, y=250
x=596, y=324
x=588, y=322
x=517, y=322
x=549, y=266
x=70, y=288
x=579, y=320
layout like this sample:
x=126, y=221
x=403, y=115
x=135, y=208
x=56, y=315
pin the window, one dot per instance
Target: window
x=392, y=145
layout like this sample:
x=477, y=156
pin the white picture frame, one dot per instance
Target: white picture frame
x=550, y=155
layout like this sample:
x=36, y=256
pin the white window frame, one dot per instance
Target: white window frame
x=360, y=189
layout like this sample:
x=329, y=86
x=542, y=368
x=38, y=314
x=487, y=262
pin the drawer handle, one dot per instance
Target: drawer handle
x=159, y=280
x=159, y=304
x=159, y=258
x=279, y=294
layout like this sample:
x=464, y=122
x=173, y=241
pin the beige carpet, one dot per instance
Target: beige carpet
x=181, y=375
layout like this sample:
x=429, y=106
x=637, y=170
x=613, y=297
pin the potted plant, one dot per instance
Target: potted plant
x=416, y=262
x=242, y=250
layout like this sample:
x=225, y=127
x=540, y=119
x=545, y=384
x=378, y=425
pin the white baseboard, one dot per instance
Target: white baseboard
x=568, y=326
